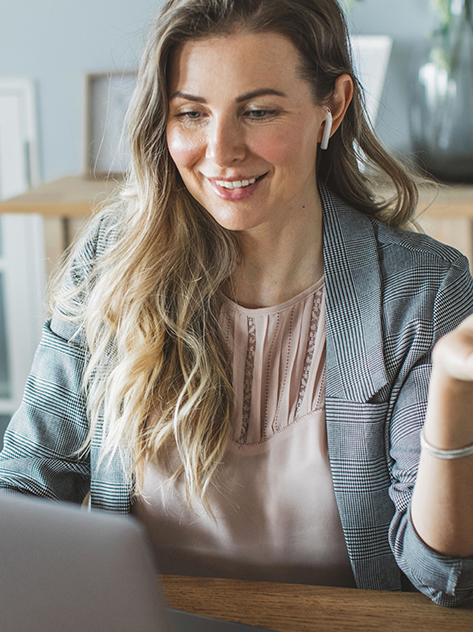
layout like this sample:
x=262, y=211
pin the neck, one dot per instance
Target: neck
x=279, y=262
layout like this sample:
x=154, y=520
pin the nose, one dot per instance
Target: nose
x=225, y=142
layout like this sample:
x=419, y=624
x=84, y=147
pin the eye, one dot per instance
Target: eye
x=191, y=115
x=260, y=114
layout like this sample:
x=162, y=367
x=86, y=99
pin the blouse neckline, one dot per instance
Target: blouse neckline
x=273, y=309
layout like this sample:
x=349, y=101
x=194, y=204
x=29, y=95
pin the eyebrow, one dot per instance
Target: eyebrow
x=243, y=97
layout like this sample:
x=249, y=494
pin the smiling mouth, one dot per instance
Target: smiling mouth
x=237, y=184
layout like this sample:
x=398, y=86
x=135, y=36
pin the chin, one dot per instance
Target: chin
x=235, y=223
x=234, y=217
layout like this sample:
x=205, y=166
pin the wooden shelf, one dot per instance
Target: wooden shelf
x=73, y=196
x=76, y=196
x=445, y=212
x=452, y=201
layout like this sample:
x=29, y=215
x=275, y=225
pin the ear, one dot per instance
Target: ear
x=340, y=100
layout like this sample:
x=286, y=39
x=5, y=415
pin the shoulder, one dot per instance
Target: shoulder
x=361, y=241
x=410, y=246
x=427, y=285
x=98, y=237
x=74, y=282
x=414, y=277
x=357, y=229
x=424, y=268
x=100, y=234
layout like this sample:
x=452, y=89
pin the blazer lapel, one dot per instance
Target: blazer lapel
x=355, y=361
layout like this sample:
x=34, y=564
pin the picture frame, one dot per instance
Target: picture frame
x=107, y=97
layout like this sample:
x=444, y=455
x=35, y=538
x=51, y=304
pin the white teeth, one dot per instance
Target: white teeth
x=235, y=184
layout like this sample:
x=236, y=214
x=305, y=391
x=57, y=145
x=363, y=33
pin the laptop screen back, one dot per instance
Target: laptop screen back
x=65, y=569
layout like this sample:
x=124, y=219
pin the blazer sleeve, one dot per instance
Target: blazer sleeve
x=42, y=452
x=447, y=580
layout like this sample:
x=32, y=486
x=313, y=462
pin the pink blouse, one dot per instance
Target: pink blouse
x=273, y=499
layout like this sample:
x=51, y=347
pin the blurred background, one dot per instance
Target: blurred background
x=55, y=42
x=54, y=45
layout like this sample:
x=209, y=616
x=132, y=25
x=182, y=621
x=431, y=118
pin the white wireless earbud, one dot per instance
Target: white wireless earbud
x=327, y=130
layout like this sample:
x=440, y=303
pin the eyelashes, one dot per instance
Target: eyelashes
x=191, y=115
x=197, y=117
x=261, y=114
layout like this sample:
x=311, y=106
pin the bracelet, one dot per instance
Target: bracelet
x=444, y=454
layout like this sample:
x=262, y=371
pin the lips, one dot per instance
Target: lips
x=235, y=184
x=237, y=188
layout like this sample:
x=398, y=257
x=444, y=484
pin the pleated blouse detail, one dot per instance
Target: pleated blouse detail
x=273, y=350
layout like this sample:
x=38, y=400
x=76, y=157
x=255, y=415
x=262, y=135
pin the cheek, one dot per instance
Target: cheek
x=286, y=146
x=184, y=150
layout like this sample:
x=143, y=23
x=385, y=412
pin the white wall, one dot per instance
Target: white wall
x=55, y=42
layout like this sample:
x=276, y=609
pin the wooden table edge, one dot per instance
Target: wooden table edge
x=303, y=608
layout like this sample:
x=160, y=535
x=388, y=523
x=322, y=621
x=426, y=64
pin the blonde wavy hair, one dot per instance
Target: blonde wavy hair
x=158, y=374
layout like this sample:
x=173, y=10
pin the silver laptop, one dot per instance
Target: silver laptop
x=67, y=570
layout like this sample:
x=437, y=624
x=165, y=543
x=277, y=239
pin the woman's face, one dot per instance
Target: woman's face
x=243, y=129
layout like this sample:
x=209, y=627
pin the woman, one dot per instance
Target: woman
x=191, y=373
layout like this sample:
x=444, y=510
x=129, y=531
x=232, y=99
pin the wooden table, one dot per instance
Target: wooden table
x=445, y=212
x=298, y=608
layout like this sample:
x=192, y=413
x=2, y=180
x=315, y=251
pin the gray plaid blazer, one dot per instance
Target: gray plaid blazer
x=390, y=295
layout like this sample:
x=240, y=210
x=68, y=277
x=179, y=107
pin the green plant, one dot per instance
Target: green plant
x=348, y=4
x=447, y=10
x=455, y=17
